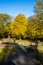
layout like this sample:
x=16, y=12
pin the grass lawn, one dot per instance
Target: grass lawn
x=1, y=49
x=40, y=47
x=20, y=42
x=27, y=43
x=23, y=42
x=5, y=52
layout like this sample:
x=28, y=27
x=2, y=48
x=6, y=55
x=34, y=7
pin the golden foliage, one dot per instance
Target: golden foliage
x=19, y=25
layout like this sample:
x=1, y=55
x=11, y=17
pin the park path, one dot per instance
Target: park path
x=20, y=56
x=23, y=57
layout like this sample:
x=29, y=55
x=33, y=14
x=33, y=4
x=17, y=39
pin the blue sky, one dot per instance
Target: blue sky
x=15, y=7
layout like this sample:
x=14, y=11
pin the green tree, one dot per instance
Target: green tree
x=2, y=28
x=38, y=8
x=32, y=26
x=4, y=19
x=35, y=27
x=40, y=25
x=8, y=29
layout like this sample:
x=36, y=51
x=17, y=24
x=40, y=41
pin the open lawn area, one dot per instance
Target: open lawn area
x=19, y=42
x=1, y=49
x=26, y=43
x=23, y=42
x=40, y=47
x=6, y=51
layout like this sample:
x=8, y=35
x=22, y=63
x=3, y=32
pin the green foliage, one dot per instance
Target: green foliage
x=21, y=26
x=35, y=26
x=2, y=28
x=4, y=19
x=38, y=8
x=6, y=51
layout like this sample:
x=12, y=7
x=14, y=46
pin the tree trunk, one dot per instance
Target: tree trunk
x=8, y=36
x=20, y=38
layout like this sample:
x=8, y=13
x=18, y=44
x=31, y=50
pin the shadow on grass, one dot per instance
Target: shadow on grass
x=21, y=56
x=5, y=55
x=40, y=57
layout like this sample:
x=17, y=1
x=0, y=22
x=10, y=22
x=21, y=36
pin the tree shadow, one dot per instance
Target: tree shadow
x=40, y=57
x=21, y=56
x=5, y=60
x=7, y=63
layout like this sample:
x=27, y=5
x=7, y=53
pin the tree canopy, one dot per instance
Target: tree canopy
x=22, y=26
x=38, y=8
x=19, y=25
x=4, y=19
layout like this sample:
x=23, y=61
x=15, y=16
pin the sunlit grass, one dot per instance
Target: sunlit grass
x=5, y=52
x=23, y=42
x=1, y=49
x=27, y=43
x=40, y=47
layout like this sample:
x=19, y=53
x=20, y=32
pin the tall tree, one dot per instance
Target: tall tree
x=4, y=19
x=2, y=28
x=38, y=8
x=19, y=25
x=32, y=26
x=35, y=26
x=40, y=25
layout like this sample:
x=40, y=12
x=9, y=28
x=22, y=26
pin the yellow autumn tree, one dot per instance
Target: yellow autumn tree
x=35, y=26
x=19, y=26
x=32, y=27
